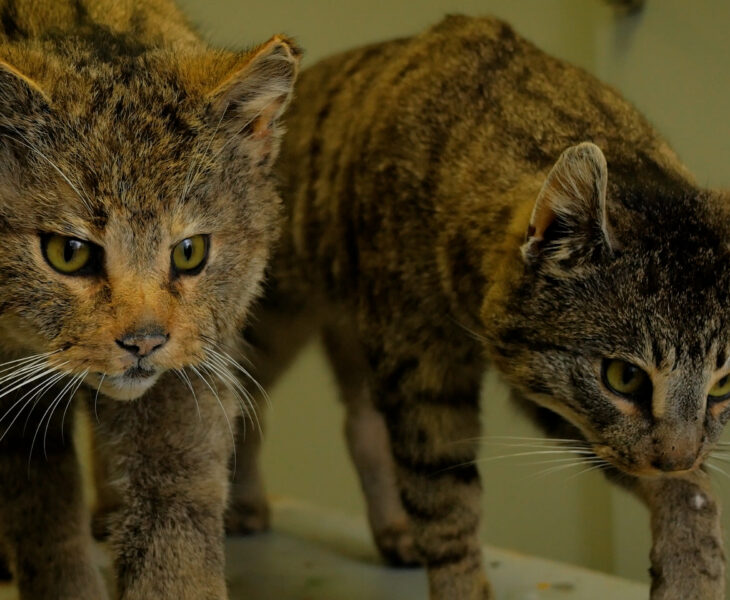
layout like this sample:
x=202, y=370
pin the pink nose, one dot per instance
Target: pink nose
x=142, y=343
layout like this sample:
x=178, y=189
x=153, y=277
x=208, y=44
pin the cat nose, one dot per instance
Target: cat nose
x=674, y=461
x=143, y=343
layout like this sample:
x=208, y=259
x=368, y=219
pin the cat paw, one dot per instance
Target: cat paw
x=396, y=545
x=248, y=517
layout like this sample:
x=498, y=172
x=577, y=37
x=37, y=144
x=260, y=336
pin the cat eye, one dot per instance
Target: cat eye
x=721, y=390
x=69, y=255
x=189, y=256
x=625, y=379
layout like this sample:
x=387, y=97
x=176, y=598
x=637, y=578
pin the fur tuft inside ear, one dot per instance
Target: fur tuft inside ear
x=251, y=99
x=570, y=211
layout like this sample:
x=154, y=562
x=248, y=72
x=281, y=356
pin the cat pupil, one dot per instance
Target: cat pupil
x=69, y=250
x=629, y=374
x=187, y=249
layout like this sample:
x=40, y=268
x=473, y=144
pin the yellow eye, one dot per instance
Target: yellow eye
x=721, y=389
x=623, y=378
x=66, y=254
x=189, y=255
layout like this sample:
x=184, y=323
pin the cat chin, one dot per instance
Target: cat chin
x=122, y=387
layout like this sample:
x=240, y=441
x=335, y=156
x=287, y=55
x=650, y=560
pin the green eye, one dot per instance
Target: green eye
x=189, y=256
x=66, y=254
x=721, y=389
x=623, y=378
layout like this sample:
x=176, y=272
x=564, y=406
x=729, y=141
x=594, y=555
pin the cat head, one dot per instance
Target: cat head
x=137, y=208
x=617, y=314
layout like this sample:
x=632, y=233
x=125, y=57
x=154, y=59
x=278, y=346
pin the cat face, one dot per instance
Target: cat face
x=137, y=212
x=619, y=319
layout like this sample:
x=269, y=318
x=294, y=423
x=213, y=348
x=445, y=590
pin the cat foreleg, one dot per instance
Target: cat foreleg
x=44, y=523
x=432, y=436
x=687, y=557
x=171, y=469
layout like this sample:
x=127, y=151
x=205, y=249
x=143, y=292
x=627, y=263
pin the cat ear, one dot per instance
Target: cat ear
x=251, y=99
x=21, y=100
x=569, y=217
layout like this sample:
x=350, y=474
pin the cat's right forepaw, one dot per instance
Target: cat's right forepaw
x=247, y=517
x=396, y=545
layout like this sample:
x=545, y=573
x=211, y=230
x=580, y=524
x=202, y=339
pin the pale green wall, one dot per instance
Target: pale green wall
x=673, y=62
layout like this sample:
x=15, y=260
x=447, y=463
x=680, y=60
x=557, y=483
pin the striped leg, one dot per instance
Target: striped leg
x=432, y=435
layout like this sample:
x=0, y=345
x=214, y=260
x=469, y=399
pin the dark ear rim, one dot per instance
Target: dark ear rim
x=265, y=82
x=278, y=44
x=574, y=192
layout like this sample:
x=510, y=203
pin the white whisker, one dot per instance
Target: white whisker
x=70, y=398
x=96, y=397
x=39, y=389
x=186, y=380
x=228, y=422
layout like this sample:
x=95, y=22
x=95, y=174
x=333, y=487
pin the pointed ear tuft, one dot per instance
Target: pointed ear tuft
x=569, y=216
x=251, y=99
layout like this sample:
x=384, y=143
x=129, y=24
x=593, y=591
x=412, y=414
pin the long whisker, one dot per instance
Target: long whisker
x=19, y=361
x=228, y=422
x=475, y=335
x=96, y=397
x=517, y=438
x=23, y=370
x=569, y=464
x=600, y=466
x=186, y=380
x=48, y=413
x=41, y=389
x=30, y=378
x=70, y=398
x=223, y=356
x=534, y=453
x=248, y=408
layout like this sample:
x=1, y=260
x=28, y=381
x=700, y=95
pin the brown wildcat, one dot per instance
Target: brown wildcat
x=460, y=198
x=137, y=211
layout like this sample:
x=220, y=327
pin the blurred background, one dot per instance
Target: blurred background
x=672, y=60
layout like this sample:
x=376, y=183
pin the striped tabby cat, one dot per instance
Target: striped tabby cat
x=461, y=198
x=136, y=215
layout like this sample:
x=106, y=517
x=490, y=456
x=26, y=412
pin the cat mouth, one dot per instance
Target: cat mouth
x=138, y=372
x=128, y=385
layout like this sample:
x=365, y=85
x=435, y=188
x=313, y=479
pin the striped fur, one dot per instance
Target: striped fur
x=461, y=197
x=119, y=126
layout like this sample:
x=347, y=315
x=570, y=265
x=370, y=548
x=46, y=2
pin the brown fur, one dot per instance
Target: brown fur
x=120, y=127
x=445, y=210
